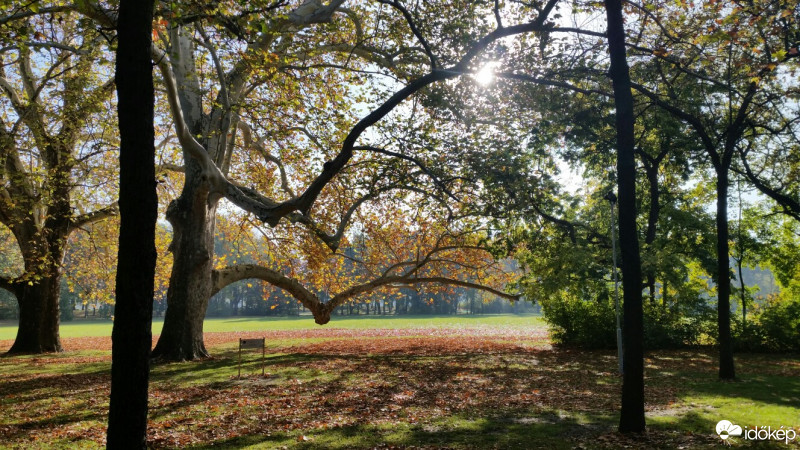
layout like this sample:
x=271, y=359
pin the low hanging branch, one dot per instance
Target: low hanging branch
x=322, y=310
x=94, y=216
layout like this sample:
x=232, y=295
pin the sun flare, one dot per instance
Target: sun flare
x=485, y=76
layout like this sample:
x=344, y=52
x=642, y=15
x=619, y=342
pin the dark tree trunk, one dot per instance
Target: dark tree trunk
x=193, y=222
x=38, y=315
x=726, y=365
x=742, y=291
x=651, y=170
x=138, y=203
x=651, y=166
x=38, y=290
x=37, y=298
x=632, y=413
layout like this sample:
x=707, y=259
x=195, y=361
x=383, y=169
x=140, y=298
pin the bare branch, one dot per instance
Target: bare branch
x=790, y=205
x=30, y=13
x=354, y=17
x=187, y=141
x=497, y=17
x=313, y=11
x=550, y=82
x=692, y=120
x=206, y=43
x=46, y=45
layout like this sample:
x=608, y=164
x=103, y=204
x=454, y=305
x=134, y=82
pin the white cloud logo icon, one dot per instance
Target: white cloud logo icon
x=726, y=429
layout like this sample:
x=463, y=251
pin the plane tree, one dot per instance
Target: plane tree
x=55, y=87
x=208, y=158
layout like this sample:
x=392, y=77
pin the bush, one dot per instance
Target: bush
x=669, y=329
x=586, y=324
x=774, y=327
x=591, y=324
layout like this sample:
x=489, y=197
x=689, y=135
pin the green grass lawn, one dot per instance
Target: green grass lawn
x=454, y=382
x=102, y=327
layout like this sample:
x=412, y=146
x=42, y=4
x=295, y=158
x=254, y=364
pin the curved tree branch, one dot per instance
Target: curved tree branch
x=413, y=160
x=94, y=216
x=303, y=203
x=347, y=294
x=413, y=26
x=790, y=205
x=228, y=275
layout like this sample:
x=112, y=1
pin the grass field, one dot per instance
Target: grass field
x=102, y=327
x=418, y=382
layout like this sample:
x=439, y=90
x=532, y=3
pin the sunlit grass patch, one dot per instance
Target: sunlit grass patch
x=102, y=327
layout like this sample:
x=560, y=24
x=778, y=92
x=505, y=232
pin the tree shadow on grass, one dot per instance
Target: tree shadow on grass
x=27, y=428
x=769, y=379
x=693, y=430
x=769, y=389
x=24, y=390
x=522, y=429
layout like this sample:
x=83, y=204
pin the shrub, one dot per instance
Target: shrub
x=576, y=322
x=774, y=327
x=591, y=324
x=665, y=328
x=771, y=327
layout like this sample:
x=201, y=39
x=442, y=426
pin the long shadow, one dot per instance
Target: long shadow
x=695, y=372
x=236, y=319
x=228, y=362
x=31, y=427
x=694, y=430
x=514, y=429
x=17, y=389
x=769, y=389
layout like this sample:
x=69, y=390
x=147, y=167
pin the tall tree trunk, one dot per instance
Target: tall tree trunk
x=651, y=171
x=726, y=364
x=192, y=216
x=38, y=315
x=632, y=413
x=138, y=203
x=742, y=292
